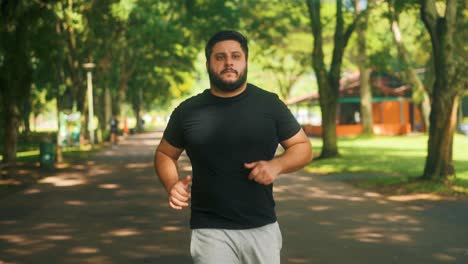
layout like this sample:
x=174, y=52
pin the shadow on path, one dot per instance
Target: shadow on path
x=112, y=209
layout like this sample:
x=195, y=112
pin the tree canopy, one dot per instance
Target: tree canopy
x=146, y=52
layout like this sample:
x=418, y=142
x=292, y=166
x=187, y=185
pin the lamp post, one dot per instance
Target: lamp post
x=89, y=66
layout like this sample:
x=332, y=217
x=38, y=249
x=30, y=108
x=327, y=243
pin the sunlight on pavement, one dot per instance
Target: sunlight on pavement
x=75, y=203
x=319, y=208
x=382, y=201
x=400, y=238
x=315, y=192
x=10, y=182
x=187, y=168
x=279, y=189
x=84, y=250
x=25, y=246
x=413, y=197
x=15, y=239
x=32, y=191
x=64, y=181
x=374, y=235
x=124, y=232
x=372, y=194
x=444, y=257
x=58, y=237
x=138, y=165
x=171, y=228
x=299, y=191
x=109, y=186
x=97, y=171
x=79, y=167
x=395, y=218
x=49, y=226
x=452, y=254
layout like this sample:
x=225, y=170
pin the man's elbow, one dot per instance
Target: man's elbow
x=308, y=153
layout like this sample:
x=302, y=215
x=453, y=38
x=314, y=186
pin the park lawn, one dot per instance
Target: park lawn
x=390, y=163
x=31, y=155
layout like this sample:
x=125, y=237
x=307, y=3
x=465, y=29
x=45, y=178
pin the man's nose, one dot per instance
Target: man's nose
x=228, y=61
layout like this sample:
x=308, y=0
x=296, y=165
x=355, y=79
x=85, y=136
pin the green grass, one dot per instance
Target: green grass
x=78, y=152
x=28, y=148
x=385, y=162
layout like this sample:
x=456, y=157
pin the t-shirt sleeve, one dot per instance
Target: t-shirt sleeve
x=174, y=132
x=286, y=124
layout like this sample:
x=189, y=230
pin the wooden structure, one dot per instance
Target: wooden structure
x=392, y=109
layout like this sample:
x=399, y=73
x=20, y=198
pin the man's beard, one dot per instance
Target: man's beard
x=227, y=86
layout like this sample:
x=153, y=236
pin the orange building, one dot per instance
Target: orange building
x=392, y=110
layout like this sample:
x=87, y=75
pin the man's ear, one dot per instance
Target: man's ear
x=207, y=64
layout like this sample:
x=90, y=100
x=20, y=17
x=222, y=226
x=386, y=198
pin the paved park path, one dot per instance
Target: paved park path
x=112, y=209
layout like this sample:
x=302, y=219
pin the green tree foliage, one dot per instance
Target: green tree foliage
x=408, y=71
x=280, y=38
x=145, y=52
x=21, y=32
x=155, y=56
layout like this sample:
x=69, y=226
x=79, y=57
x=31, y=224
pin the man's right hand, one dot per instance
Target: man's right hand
x=179, y=195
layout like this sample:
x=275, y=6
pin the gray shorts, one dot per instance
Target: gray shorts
x=260, y=245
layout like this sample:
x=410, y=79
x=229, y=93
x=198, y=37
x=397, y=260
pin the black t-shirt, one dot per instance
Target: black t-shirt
x=219, y=136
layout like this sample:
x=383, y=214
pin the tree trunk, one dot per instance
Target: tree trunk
x=10, y=142
x=126, y=72
x=329, y=82
x=328, y=102
x=15, y=76
x=107, y=107
x=101, y=111
x=329, y=106
x=26, y=113
x=137, y=100
x=448, y=88
x=439, y=161
x=367, y=120
x=59, y=71
x=58, y=149
x=420, y=95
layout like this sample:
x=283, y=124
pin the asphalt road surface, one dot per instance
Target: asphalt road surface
x=112, y=209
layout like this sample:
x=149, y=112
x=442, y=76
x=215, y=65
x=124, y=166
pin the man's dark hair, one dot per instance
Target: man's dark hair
x=226, y=35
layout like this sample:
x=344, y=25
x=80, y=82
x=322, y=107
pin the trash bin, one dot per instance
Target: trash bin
x=47, y=155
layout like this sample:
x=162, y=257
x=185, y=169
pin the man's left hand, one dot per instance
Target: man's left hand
x=263, y=172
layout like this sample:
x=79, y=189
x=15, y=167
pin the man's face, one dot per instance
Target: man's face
x=227, y=67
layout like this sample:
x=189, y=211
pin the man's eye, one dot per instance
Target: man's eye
x=236, y=56
x=219, y=58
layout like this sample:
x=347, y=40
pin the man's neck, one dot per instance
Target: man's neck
x=220, y=93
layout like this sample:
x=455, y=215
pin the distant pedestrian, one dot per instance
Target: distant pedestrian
x=231, y=132
x=114, y=129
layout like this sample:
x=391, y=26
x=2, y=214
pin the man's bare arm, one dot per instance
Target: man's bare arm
x=165, y=165
x=298, y=152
